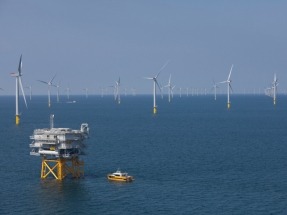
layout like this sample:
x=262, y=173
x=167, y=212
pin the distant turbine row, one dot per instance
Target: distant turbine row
x=272, y=91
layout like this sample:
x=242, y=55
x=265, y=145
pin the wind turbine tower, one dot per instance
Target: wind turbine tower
x=58, y=92
x=30, y=91
x=117, y=89
x=215, y=89
x=86, y=92
x=274, y=87
x=68, y=93
x=19, y=84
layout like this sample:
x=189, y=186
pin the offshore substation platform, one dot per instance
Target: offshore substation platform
x=60, y=149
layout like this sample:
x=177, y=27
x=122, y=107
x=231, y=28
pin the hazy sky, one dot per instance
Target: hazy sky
x=91, y=43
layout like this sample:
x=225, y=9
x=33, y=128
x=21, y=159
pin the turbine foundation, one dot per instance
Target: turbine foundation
x=17, y=119
x=154, y=110
x=228, y=105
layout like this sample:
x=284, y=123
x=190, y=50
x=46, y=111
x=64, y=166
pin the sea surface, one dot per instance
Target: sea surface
x=193, y=157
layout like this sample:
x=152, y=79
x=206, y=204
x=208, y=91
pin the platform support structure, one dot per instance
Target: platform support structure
x=61, y=167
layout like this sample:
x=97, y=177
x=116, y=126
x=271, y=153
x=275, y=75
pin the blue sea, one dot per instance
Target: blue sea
x=193, y=157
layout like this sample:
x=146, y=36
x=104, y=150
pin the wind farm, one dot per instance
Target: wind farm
x=191, y=92
x=169, y=89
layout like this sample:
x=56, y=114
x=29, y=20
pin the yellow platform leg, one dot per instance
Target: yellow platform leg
x=17, y=119
x=274, y=101
x=61, y=167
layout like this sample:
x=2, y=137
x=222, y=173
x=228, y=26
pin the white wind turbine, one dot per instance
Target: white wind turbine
x=68, y=93
x=30, y=91
x=117, y=91
x=49, y=83
x=19, y=83
x=170, y=89
x=228, y=81
x=133, y=90
x=86, y=92
x=274, y=88
x=215, y=89
x=155, y=84
x=102, y=91
x=58, y=91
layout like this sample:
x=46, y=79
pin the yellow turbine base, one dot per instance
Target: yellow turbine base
x=61, y=167
x=228, y=105
x=17, y=119
x=274, y=102
x=154, y=110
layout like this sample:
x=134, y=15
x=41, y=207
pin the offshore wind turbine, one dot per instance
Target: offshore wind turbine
x=117, y=91
x=228, y=81
x=274, y=88
x=68, y=93
x=170, y=88
x=155, y=84
x=86, y=92
x=30, y=91
x=49, y=83
x=102, y=91
x=19, y=84
x=133, y=90
x=215, y=89
x=58, y=91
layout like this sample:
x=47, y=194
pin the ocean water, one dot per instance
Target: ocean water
x=193, y=157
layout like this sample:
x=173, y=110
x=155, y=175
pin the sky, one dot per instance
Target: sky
x=90, y=44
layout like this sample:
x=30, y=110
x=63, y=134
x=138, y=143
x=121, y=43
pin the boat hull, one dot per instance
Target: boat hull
x=120, y=178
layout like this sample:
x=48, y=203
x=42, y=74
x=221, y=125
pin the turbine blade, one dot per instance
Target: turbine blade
x=20, y=66
x=161, y=69
x=157, y=85
x=222, y=82
x=230, y=73
x=164, y=65
x=52, y=79
x=230, y=87
x=23, y=94
x=43, y=82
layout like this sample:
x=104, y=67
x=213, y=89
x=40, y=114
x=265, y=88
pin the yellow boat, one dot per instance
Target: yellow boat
x=120, y=176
